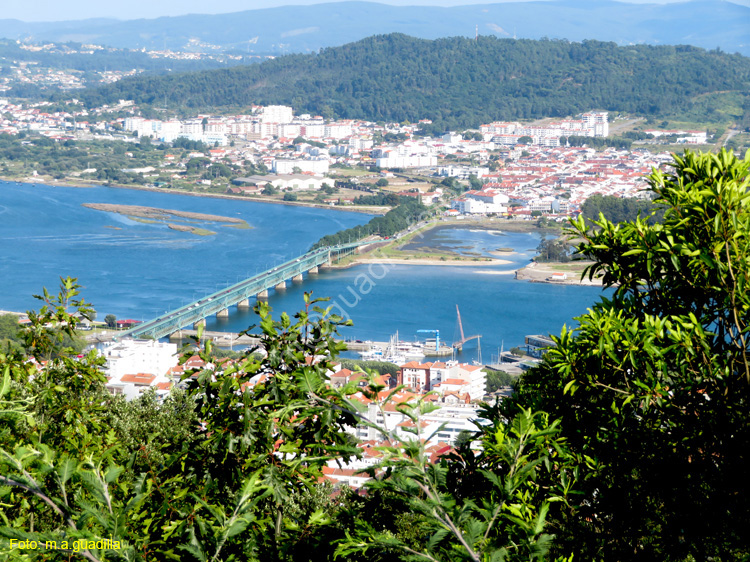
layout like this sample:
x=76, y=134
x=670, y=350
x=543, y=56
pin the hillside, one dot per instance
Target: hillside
x=457, y=81
x=303, y=29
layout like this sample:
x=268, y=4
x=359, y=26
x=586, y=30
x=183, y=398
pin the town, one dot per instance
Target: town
x=52, y=66
x=455, y=391
x=510, y=169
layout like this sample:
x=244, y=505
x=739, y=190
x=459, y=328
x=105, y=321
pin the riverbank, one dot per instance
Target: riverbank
x=419, y=245
x=87, y=185
x=420, y=261
x=557, y=273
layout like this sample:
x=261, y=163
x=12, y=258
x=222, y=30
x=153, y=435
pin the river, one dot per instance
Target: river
x=139, y=270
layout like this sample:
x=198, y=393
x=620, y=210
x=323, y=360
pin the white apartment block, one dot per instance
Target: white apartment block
x=192, y=127
x=289, y=130
x=457, y=417
x=319, y=167
x=393, y=160
x=313, y=130
x=450, y=377
x=297, y=182
x=337, y=131
x=548, y=204
x=463, y=172
x=591, y=124
x=133, y=366
x=243, y=127
x=360, y=143
x=277, y=114
x=139, y=356
x=598, y=121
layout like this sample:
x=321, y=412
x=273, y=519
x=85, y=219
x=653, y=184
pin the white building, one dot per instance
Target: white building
x=133, y=366
x=597, y=122
x=394, y=160
x=337, y=131
x=457, y=415
x=318, y=167
x=297, y=182
x=313, y=130
x=289, y=130
x=463, y=172
x=277, y=114
x=450, y=377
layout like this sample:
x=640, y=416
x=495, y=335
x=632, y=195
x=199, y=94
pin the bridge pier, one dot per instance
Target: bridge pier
x=244, y=303
x=223, y=313
x=175, y=335
x=262, y=295
x=313, y=270
x=201, y=322
x=298, y=278
x=281, y=286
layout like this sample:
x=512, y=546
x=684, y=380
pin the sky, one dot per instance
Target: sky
x=60, y=10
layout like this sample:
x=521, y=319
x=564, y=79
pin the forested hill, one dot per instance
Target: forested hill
x=455, y=81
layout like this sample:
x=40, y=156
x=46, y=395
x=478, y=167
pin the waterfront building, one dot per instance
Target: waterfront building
x=133, y=366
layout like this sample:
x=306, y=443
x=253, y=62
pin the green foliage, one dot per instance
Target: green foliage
x=395, y=220
x=381, y=199
x=457, y=82
x=497, y=513
x=498, y=379
x=61, y=159
x=229, y=468
x=9, y=338
x=110, y=320
x=553, y=250
x=187, y=144
x=619, y=209
x=9, y=327
x=654, y=382
x=290, y=197
x=381, y=367
x=148, y=430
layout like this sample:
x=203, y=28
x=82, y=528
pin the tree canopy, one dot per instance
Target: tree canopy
x=456, y=82
x=653, y=384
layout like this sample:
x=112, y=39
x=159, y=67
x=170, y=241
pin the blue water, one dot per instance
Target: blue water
x=141, y=270
x=138, y=270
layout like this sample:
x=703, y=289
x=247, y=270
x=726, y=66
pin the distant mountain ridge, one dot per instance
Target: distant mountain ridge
x=457, y=81
x=298, y=29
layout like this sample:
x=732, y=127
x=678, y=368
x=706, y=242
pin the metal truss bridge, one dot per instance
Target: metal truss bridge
x=240, y=293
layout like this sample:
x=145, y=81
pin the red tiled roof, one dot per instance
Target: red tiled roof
x=140, y=378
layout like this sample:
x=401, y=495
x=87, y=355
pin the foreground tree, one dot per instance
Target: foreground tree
x=229, y=468
x=654, y=382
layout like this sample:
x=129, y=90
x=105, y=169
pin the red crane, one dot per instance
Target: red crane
x=459, y=344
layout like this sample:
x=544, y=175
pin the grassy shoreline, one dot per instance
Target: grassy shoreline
x=176, y=191
x=391, y=252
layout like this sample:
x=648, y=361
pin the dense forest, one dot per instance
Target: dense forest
x=456, y=81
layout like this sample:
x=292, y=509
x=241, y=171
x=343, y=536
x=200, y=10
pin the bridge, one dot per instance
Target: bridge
x=195, y=313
